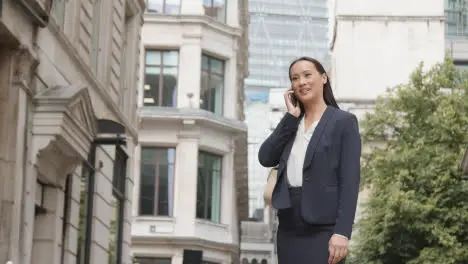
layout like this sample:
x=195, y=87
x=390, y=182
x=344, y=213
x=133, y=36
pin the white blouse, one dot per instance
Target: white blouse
x=298, y=152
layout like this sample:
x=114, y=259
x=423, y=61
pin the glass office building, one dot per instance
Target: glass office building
x=279, y=32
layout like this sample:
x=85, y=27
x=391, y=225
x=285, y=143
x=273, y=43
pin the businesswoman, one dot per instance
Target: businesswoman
x=316, y=148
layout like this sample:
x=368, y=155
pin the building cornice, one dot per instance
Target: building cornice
x=185, y=242
x=385, y=18
x=202, y=20
x=193, y=116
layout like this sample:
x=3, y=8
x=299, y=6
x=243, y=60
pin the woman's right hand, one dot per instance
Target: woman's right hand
x=293, y=110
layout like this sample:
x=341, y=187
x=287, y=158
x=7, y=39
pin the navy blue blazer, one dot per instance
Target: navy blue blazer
x=331, y=172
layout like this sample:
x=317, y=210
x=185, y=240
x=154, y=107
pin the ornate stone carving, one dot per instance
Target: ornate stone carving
x=25, y=64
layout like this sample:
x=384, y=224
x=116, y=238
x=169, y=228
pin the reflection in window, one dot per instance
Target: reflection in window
x=212, y=84
x=215, y=9
x=157, y=181
x=117, y=205
x=85, y=215
x=163, y=6
x=209, y=187
x=161, y=70
x=456, y=18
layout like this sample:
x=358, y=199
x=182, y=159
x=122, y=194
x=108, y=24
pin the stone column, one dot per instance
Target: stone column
x=15, y=66
x=8, y=137
x=186, y=180
x=228, y=191
x=192, y=7
x=232, y=13
x=190, y=69
x=230, y=87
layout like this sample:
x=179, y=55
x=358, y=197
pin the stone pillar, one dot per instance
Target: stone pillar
x=15, y=69
x=190, y=69
x=48, y=229
x=192, y=7
x=186, y=180
x=228, y=191
x=232, y=13
x=8, y=137
x=231, y=87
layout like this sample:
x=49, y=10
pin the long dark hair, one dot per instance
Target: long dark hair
x=328, y=96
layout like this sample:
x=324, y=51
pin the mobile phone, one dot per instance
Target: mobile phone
x=293, y=99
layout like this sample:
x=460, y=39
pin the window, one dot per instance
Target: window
x=461, y=65
x=456, y=18
x=161, y=69
x=85, y=215
x=59, y=12
x=157, y=181
x=95, y=34
x=209, y=186
x=164, y=6
x=152, y=261
x=67, y=200
x=215, y=9
x=212, y=84
x=117, y=220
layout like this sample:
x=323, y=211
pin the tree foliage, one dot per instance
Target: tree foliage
x=417, y=212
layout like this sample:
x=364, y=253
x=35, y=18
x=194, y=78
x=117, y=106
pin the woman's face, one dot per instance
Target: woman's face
x=306, y=81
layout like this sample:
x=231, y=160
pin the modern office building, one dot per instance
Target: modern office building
x=279, y=32
x=191, y=161
x=68, y=129
x=456, y=32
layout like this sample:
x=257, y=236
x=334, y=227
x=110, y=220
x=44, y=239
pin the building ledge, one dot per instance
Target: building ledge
x=205, y=21
x=203, y=117
x=157, y=228
x=184, y=242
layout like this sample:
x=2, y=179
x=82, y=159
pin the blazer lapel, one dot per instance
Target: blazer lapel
x=312, y=146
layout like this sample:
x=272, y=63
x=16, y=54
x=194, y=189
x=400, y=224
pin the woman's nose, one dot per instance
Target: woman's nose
x=302, y=81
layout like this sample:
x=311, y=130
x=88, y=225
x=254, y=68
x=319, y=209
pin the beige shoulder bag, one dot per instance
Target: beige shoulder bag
x=271, y=182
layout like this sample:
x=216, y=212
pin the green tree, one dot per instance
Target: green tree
x=417, y=212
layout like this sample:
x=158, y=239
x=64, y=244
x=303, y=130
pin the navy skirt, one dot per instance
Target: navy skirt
x=299, y=242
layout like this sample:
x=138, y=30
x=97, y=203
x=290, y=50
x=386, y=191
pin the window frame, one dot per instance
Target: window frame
x=161, y=66
x=163, y=8
x=215, y=219
x=210, y=73
x=156, y=177
x=119, y=179
x=88, y=175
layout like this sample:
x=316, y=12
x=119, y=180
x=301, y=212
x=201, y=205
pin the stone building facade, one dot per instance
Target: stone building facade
x=68, y=129
x=190, y=166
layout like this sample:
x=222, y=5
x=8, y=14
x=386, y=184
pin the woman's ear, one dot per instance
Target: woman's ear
x=324, y=78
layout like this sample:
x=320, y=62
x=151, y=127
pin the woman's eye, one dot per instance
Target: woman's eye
x=308, y=74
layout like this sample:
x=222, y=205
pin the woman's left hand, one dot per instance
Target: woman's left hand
x=337, y=248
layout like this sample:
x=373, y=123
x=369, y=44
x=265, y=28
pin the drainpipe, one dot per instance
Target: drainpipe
x=34, y=12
